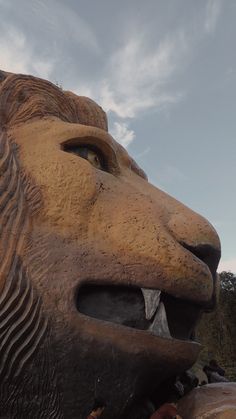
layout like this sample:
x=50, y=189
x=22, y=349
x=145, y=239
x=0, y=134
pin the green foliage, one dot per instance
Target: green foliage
x=217, y=330
x=228, y=282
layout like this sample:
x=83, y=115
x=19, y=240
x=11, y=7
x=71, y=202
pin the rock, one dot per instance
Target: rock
x=212, y=401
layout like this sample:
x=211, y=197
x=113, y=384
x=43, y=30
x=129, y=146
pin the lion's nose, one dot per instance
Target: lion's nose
x=208, y=254
x=198, y=236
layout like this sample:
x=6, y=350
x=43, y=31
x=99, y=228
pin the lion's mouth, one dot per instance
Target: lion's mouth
x=150, y=310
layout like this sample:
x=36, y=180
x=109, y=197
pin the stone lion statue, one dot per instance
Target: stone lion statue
x=103, y=277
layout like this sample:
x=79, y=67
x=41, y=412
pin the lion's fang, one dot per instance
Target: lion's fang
x=151, y=299
x=159, y=325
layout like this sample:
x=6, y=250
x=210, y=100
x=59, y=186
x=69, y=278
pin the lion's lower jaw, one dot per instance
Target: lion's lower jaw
x=126, y=378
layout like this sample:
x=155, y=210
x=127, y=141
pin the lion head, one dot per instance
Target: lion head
x=103, y=277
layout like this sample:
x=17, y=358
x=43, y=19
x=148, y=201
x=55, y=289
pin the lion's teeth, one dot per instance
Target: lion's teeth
x=159, y=325
x=151, y=299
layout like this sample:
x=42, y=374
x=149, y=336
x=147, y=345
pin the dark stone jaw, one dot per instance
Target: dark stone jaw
x=125, y=306
x=122, y=305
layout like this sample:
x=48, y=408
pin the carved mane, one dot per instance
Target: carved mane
x=23, y=325
x=23, y=98
x=26, y=97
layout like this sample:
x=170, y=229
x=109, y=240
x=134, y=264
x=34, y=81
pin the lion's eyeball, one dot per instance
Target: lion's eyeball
x=87, y=153
x=94, y=159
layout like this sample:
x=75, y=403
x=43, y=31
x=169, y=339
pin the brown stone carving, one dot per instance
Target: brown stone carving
x=214, y=401
x=102, y=276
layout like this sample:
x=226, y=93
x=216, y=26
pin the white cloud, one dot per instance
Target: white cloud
x=227, y=265
x=20, y=52
x=137, y=76
x=65, y=23
x=122, y=133
x=14, y=56
x=136, y=79
x=84, y=90
x=213, y=9
x=17, y=55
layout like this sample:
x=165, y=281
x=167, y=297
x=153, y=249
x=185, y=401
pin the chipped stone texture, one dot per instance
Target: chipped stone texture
x=212, y=401
x=65, y=224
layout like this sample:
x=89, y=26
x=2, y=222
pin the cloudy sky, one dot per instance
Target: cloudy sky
x=164, y=70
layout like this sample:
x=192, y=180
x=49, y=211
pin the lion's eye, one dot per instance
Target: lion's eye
x=94, y=159
x=93, y=156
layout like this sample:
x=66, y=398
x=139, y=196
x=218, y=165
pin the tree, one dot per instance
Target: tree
x=217, y=330
x=228, y=281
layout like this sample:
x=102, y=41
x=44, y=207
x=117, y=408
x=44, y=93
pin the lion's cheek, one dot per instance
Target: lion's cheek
x=68, y=198
x=67, y=183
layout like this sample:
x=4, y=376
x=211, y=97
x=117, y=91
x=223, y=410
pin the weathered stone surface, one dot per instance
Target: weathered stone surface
x=82, y=231
x=212, y=401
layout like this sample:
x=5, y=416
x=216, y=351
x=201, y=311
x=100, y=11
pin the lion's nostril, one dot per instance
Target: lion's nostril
x=208, y=254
